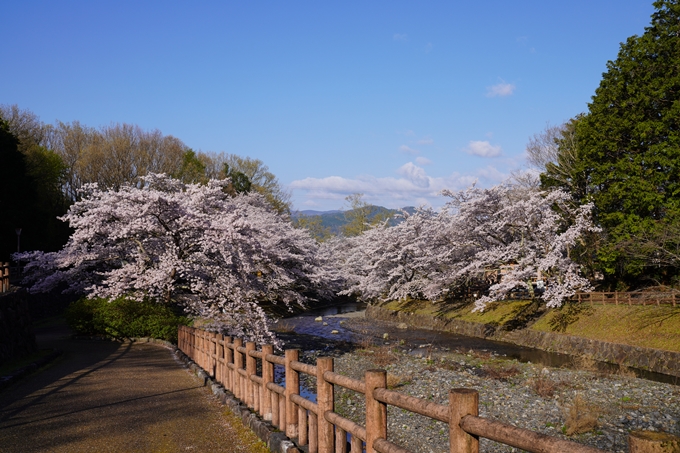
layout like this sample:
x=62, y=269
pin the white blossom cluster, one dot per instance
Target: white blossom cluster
x=430, y=254
x=218, y=256
x=222, y=257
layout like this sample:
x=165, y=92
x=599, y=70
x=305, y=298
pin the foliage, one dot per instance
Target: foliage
x=628, y=160
x=239, y=182
x=361, y=216
x=249, y=174
x=218, y=256
x=17, y=191
x=432, y=255
x=124, y=318
x=314, y=225
x=192, y=169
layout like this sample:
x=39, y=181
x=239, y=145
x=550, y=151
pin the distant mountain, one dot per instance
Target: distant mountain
x=335, y=220
x=310, y=212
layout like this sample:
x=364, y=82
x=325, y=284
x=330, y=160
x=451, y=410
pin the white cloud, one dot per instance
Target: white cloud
x=492, y=175
x=501, y=90
x=426, y=141
x=400, y=37
x=411, y=186
x=414, y=174
x=483, y=149
x=420, y=160
x=408, y=150
x=428, y=47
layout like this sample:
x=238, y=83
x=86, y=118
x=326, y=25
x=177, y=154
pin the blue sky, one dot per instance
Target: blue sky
x=394, y=99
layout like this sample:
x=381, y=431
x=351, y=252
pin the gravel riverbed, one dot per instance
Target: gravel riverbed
x=553, y=401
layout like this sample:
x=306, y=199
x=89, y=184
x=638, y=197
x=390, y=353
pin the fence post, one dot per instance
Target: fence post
x=221, y=366
x=275, y=409
x=238, y=364
x=324, y=401
x=303, y=438
x=251, y=368
x=376, y=412
x=213, y=354
x=651, y=442
x=292, y=388
x=313, y=433
x=340, y=440
x=228, y=358
x=267, y=377
x=282, y=412
x=199, y=348
x=462, y=402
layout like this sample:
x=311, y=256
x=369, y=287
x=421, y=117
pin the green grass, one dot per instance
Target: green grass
x=497, y=313
x=646, y=326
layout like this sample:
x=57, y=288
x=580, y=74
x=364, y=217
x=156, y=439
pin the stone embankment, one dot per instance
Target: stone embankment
x=666, y=362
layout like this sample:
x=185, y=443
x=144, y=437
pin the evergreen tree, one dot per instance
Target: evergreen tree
x=17, y=195
x=628, y=156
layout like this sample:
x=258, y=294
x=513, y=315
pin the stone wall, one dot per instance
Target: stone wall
x=16, y=334
x=655, y=360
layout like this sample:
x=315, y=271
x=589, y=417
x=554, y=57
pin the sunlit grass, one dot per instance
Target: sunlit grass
x=646, y=326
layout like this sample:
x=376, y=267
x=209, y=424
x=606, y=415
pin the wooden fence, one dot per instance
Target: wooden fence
x=4, y=277
x=316, y=425
x=621, y=298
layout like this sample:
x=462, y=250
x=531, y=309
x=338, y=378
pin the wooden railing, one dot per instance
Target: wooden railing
x=630, y=298
x=4, y=277
x=316, y=425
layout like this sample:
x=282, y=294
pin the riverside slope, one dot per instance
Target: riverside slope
x=656, y=360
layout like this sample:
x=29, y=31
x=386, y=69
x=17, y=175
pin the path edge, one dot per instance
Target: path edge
x=276, y=441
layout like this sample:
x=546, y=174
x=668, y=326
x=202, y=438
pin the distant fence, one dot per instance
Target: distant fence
x=4, y=277
x=316, y=424
x=630, y=298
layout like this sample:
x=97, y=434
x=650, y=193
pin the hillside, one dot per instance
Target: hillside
x=335, y=220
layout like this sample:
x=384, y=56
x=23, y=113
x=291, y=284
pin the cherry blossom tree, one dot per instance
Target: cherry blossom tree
x=479, y=231
x=218, y=256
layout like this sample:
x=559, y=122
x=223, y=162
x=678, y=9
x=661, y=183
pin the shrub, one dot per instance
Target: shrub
x=124, y=318
x=580, y=417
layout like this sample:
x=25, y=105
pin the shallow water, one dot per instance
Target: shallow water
x=422, y=341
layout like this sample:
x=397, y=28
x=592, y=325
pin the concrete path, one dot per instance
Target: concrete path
x=109, y=397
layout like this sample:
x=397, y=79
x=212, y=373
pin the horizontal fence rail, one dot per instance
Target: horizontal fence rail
x=318, y=427
x=4, y=277
x=629, y=298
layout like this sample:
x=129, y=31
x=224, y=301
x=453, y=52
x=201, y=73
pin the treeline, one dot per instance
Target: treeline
x=623, y=155
x=44, y=166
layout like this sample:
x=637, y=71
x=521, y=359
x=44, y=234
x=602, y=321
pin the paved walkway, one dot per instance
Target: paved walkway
x=110, y=397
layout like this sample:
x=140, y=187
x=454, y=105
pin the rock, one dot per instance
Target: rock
x=335, y=332
x=318, y=319
x=402, y=325
x=325, y=323
x=386, y=336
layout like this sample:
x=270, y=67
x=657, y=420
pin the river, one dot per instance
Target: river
x=345, y=323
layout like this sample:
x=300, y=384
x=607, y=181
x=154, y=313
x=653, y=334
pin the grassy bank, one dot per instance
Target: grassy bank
x=645, y=326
